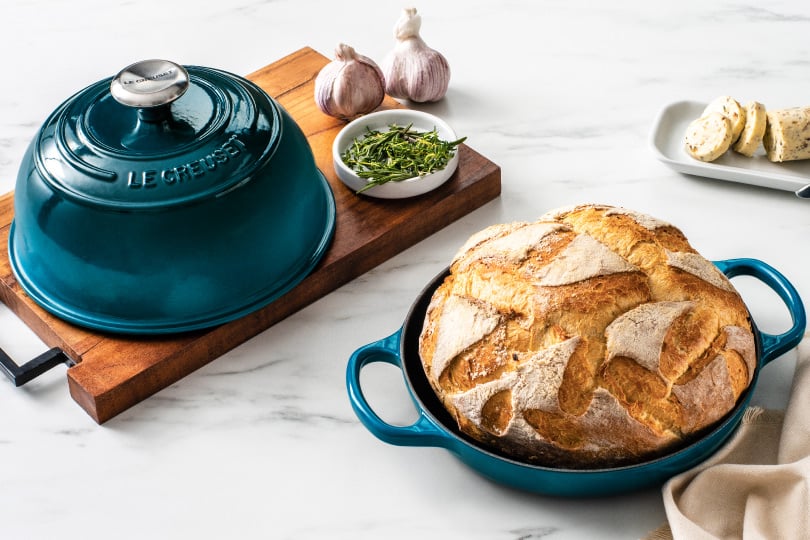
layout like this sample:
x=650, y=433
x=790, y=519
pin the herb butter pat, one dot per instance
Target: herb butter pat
x=787, y=137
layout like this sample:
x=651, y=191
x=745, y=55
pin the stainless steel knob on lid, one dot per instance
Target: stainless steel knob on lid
x=149, y=83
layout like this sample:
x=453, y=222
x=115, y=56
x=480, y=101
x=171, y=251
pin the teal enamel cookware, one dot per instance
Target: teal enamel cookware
x=167, y=199
x=435, y=426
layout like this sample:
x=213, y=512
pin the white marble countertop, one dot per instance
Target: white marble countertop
x=262, y=442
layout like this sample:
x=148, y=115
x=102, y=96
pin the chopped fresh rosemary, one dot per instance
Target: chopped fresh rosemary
x=398, y=154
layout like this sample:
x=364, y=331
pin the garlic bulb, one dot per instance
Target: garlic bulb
x=349, y=86
x=413, y=70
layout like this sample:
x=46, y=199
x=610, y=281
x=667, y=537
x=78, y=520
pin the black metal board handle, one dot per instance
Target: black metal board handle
x=21, y=374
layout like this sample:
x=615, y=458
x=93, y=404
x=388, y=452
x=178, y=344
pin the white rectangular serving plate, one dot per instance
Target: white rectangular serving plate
x=667, y=141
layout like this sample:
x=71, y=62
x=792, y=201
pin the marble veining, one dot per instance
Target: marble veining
x=530, y=533
x=262, y=443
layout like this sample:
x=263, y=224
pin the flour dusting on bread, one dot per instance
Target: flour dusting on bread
x=639, y=334
x=583, y=258
x=646, y=221
x=510, y=248
x=700, y=267
x=475, y=318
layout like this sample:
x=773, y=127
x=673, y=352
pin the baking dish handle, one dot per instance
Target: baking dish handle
x=773, y=346
x=423, y=432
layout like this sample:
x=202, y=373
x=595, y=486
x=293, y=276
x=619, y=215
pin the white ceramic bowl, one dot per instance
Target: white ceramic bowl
x=380, y=121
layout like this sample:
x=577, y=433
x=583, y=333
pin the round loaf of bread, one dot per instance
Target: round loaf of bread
x=595, y=336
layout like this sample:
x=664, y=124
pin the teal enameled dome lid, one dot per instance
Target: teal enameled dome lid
x=156, y=135
x=167, y=199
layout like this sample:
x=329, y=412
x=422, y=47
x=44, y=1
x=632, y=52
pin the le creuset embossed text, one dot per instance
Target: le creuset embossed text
x=167, y=199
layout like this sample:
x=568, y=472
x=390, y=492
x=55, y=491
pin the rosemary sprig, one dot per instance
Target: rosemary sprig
x=398, y=154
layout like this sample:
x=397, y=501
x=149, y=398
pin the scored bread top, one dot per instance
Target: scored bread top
x=593, y=336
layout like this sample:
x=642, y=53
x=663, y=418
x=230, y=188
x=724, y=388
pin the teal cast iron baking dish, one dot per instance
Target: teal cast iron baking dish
x=167, y=199
x=435, y=426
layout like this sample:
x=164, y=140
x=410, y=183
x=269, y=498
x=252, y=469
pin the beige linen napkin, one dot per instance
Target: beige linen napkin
x=757, y=486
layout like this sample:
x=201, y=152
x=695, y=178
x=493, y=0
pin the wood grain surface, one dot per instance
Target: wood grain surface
x=112, y=372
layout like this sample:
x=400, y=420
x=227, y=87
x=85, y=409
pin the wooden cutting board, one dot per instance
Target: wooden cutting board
x=112, y=373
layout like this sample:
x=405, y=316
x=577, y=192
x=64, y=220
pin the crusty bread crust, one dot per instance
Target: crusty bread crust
x=594, y=336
